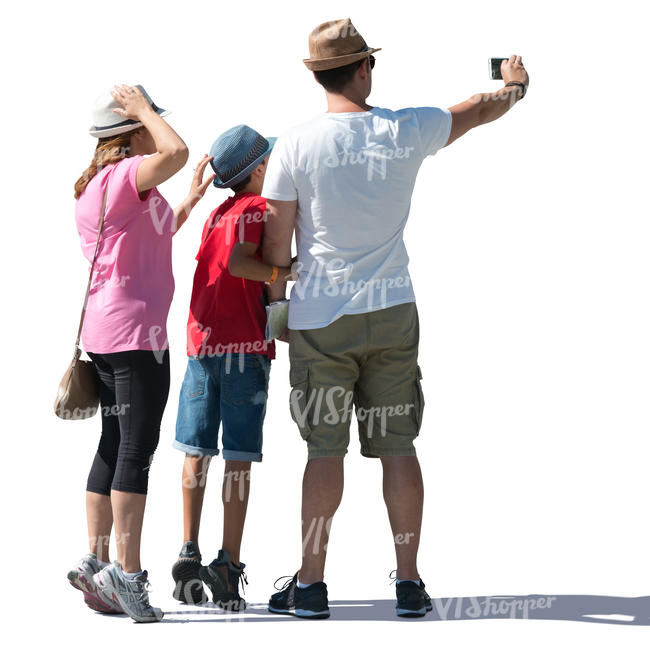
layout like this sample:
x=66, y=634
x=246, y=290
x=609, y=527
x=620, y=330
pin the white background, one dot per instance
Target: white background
x=528, y=241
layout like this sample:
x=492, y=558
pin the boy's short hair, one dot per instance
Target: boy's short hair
x=241, y=186
x=336, y=79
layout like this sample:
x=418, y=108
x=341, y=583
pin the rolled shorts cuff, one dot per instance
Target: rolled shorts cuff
x=397, y=451
x=231, y=454
x=326, y=453
x=194, y=451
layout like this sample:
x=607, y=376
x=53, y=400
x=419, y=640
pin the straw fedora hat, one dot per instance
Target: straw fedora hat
x=334, y=44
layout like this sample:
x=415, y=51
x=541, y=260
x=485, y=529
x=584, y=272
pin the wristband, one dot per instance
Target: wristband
x=520, y=84
x=274, y=276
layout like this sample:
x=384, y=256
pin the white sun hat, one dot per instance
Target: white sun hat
x=107, y=123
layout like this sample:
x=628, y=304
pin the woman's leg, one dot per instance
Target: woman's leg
x=142, y=388
x=128, y=510
x=99, y=513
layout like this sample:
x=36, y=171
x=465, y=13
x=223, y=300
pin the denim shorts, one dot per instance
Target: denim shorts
x=230, y=391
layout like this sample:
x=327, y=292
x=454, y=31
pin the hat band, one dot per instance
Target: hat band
x=123, y=123
x=260, y=146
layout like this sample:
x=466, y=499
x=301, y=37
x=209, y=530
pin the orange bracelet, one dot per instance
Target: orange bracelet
x=274, y=276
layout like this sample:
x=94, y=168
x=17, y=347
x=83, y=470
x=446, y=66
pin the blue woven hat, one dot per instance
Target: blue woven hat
x=236, y=153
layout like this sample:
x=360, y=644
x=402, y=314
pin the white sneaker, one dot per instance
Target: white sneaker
x=81, y=577
x=132, y=595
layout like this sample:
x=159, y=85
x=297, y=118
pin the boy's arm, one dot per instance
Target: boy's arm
x=276, y=246
x=242, y=264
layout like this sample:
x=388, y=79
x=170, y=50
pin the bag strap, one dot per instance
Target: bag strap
x=90, y=277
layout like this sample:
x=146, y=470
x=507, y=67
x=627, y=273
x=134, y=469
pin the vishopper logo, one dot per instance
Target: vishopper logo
x=158, y=347
x=341, y=153
x=108, y=282
x=160, y=219
x=240, y=221
x=489, y=607
x=227, y=350
x=79, y=413
x=333, y=405
x=192, y=479
x=335, y=30
x=104, y=285
x=510, y=96
x=241, y=478
x=335, y=278
x=317, y=531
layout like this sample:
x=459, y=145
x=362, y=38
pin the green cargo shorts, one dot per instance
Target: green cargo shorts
x=366, y=361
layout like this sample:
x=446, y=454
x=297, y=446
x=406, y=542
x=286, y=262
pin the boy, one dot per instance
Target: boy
x=228, y=368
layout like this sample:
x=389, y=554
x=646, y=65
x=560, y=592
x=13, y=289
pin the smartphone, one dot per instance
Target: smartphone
x=495, y=68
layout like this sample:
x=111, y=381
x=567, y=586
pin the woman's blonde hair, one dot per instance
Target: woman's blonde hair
x=109, y=150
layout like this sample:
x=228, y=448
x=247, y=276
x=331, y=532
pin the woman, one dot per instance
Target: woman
x=124, y=331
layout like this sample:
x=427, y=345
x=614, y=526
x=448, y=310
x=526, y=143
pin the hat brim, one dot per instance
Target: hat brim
x=245, y=172
x=121, y=127
x=338, y=61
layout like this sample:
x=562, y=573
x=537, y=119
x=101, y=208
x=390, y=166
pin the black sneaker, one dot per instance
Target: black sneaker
x=412, y=599
x=309, y=602
x=189, y=587
x=223, y=576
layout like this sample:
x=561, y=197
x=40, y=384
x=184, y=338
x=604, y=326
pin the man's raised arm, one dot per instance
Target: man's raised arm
x=487, y=107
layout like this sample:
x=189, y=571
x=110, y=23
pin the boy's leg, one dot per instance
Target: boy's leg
x=322, y=489
x=243, y=380
x=195, y=472
x=235, y=491
x=197, y=428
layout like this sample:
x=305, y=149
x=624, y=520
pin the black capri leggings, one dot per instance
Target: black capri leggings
x=133, y=391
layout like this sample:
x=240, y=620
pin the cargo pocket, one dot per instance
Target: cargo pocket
x=418, y=402
x=299, y=401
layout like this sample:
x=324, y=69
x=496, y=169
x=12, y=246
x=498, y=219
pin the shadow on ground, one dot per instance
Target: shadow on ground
x=587, y=609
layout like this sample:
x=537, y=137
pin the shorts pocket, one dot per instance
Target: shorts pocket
x=299, y=401
x=194, y=380
x=246, y=384
x=418, y=400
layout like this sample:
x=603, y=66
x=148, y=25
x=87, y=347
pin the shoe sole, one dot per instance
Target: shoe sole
x=219, y=598
x=89, y=591
x=301, y=613
x=184, y=575
x=413, y=613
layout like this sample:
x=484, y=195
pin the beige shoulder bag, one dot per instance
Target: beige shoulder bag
x=78, y=395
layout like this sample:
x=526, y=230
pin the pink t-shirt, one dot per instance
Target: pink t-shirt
x=133, y=284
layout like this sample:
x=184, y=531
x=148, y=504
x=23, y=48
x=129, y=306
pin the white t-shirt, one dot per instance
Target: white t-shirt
x=353, y=175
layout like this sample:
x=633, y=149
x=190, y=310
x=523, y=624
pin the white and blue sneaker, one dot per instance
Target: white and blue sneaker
x=131, y=594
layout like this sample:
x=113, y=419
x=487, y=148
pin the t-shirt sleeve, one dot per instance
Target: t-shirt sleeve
x=126, y=180
x=278, y=181
x=435, y=126
x=250, y=225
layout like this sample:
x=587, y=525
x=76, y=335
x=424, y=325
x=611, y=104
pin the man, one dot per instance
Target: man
x=227, y=375
x=344, y=181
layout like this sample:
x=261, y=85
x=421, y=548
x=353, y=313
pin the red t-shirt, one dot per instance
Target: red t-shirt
x=227, y=313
